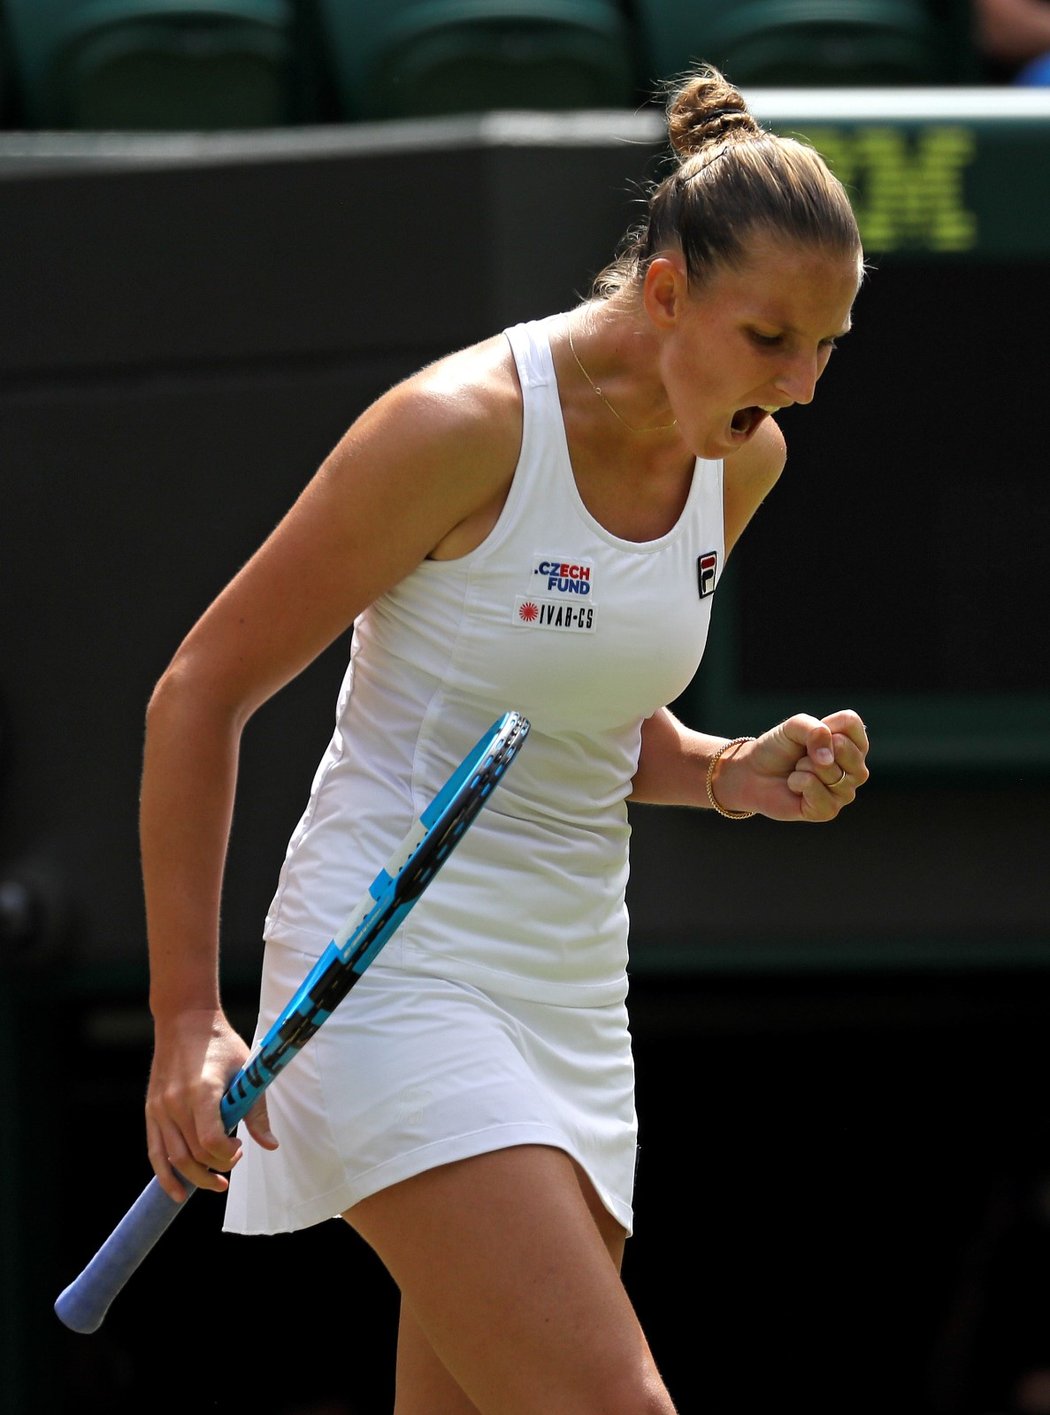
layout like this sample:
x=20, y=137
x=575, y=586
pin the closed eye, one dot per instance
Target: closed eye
x=774, y=341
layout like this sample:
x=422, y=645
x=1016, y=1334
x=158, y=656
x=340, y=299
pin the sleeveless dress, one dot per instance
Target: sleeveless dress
x=496, y=1015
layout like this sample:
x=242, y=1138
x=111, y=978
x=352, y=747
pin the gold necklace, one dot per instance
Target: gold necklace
x=664, y=427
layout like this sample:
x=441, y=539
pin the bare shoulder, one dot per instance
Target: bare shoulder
x=472, y=395
x=452, y=433
x=423, y=469
x=438, y=451
x=449, y=432
x=750, y=475
x=487, y=366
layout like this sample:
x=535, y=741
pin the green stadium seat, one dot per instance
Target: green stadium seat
x=794, y=43
x=5, y=78
x=153, y=64
x=415, y=58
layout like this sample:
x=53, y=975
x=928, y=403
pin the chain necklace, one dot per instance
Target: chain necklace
x=664, y=427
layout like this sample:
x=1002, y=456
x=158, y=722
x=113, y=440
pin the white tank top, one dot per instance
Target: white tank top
x=554, y=616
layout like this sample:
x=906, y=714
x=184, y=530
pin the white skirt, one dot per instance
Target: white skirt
x=412, y=1071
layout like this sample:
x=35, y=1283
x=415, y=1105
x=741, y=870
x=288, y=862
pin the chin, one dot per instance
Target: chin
x=742, y=429
x=719, y=445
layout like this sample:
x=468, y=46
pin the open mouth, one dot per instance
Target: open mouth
x=746, y=420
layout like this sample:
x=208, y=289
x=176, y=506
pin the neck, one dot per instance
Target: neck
x=602, y=354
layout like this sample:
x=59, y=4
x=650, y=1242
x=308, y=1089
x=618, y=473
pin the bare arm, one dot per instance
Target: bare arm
x=804, y=769
x=418, y=465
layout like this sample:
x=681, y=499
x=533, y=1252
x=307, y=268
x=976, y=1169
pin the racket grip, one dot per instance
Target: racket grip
x=84, y=1303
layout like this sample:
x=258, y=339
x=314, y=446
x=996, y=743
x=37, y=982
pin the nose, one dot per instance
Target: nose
x=797, y=381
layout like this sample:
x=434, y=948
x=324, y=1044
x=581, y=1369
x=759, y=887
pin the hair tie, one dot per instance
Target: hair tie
x=723, y=112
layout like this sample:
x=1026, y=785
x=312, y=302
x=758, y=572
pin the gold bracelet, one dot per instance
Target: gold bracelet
x=729, y=815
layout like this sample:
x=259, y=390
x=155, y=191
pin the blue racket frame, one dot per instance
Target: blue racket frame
x=82, y=1306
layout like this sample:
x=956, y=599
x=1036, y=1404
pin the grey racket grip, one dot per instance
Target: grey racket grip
x=82, y=1306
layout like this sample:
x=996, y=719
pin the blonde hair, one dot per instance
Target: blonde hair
x=733, y=181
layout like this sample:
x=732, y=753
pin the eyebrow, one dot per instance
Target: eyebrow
x=790, y=328
x=840, y=334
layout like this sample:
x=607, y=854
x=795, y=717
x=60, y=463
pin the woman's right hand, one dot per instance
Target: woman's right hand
x=196, y=1055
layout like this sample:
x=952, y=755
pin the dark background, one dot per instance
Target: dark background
x=842, y=1186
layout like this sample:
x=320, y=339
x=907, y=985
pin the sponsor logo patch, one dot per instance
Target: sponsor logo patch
x=707, y=573
x=536, y=612
x=558, y=575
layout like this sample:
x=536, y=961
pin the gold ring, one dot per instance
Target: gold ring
x=841, y=779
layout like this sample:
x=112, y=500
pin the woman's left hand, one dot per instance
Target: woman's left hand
x=806, y=768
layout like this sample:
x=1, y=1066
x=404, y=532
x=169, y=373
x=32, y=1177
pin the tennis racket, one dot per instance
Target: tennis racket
x=395, y=889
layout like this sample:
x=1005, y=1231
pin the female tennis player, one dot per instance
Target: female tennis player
x=539, y=523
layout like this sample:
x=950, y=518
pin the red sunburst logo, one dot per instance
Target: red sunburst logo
x=528, y=612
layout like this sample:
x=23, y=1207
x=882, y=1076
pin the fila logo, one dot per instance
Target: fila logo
x=532, y=612
x=707, y=573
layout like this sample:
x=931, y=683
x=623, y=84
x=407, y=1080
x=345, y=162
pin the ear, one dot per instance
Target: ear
x=664, y=289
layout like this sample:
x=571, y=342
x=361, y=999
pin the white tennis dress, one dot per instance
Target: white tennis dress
x=496, y=1015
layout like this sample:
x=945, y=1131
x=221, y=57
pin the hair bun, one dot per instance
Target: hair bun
x=705, y=108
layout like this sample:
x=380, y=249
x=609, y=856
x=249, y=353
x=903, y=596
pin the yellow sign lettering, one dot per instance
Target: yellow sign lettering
x=907, y=188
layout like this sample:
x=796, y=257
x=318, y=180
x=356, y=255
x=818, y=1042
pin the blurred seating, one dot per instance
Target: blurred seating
x=1013, y=40
x=153, y=64
x=414, y=58
x=795, y=43
x=5, y=74
x=213, y=64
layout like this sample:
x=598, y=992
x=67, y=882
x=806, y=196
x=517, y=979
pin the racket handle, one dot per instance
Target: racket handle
x=85, y=1302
